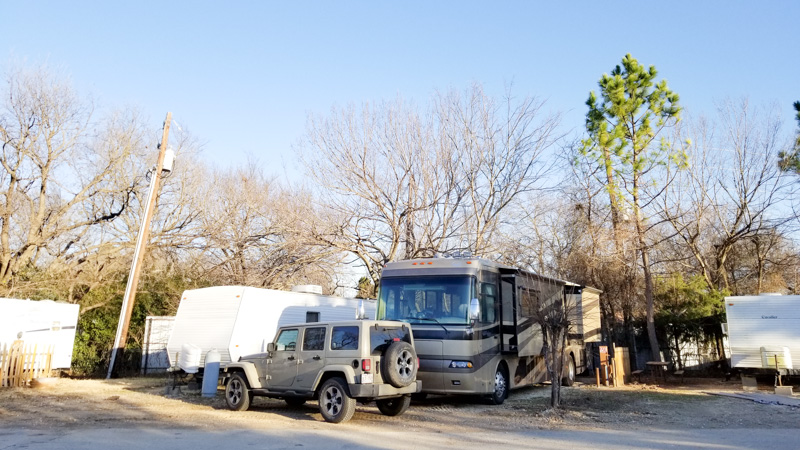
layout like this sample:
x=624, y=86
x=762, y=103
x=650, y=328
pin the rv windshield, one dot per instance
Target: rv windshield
x=430, y=299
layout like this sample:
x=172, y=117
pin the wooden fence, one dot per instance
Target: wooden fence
x=20, y=363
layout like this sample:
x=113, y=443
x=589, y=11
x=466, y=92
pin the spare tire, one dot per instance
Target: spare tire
x=399, y=364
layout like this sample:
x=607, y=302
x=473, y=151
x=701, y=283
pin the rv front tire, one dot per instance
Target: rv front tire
x=500, y=386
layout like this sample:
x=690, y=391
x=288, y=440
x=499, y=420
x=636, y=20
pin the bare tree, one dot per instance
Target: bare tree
x=733, y=190
x=549, y=308
x=60, y=178
x=397, y=183
x=251, y=232
x=499, y=149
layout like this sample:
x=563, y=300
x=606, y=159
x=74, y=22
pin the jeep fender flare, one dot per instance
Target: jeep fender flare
x=349, y=374
x=249, y=370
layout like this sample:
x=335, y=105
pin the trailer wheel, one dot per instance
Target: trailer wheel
x=399, y=364
x=500, y=386
x=569, y=378
x=237, y=394
x=393, y=406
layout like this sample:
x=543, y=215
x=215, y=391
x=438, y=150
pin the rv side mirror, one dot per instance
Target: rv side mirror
x=474, y=310
x=271, y=347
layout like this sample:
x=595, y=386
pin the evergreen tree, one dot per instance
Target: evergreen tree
x=623, y=123
x=790, y=160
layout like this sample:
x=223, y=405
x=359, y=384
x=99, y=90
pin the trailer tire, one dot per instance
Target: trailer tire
x=500, y=385
x=399, y=364
x=237, y=394
x=393, y=406
x=569, y=378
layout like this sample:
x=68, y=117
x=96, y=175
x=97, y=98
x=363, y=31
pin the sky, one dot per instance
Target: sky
x=243, y=76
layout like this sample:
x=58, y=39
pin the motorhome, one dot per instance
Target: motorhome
x=239, y=320
x=474, y=322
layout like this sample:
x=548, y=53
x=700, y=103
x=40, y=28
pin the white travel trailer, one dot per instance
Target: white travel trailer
x=238, y=320
x=41, y=323
x=764, y=330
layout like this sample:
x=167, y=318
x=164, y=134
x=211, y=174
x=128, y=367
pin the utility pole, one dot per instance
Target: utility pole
x=138, y=255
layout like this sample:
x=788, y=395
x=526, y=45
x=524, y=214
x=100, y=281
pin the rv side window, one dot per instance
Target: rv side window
x=314, y=339
x=344, y=338
x=488, y=297
x=287, y=341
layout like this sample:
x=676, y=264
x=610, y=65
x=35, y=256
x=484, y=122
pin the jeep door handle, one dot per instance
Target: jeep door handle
x=291, y=358
x=317, y=358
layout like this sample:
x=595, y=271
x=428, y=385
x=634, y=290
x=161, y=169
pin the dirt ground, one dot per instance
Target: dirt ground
x=74, y=404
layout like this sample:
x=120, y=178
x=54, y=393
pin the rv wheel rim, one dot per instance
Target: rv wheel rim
x=499, y=383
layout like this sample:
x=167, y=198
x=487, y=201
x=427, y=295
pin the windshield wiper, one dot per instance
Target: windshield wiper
x=432, y=320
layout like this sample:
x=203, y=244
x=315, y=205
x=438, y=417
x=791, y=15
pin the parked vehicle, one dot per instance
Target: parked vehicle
x=337, y=363
x=42, y=323
x=473, y=321
x=764, y=333
x=239, y=320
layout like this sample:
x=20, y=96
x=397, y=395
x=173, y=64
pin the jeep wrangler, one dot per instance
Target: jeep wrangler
x=336, y=363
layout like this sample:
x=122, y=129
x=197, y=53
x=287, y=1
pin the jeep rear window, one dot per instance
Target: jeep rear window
x=344, y=338
x=381, y=338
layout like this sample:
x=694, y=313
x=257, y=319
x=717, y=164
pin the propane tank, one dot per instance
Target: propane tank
x=211, y=374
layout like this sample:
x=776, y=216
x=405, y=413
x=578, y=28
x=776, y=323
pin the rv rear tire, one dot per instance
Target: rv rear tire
x=569, y=377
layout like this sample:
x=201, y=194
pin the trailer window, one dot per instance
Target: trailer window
x=314, y=339
x=344, y=338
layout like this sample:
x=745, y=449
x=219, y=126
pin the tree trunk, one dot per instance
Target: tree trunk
x=648, y=295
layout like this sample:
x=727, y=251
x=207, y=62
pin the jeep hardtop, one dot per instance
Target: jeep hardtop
x=335, y=363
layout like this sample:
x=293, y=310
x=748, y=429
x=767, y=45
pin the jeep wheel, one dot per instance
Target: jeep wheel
x=500, y=386
x=295, y=401
x=393, y=406
x=569, y=377
x=237, y=395
x=335, y=402
x=399, y=364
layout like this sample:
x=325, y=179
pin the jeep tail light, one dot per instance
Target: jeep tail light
x=366, y=365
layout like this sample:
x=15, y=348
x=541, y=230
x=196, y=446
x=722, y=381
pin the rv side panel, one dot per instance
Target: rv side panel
x=587, y=314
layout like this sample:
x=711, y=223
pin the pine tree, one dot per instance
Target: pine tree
x=623, y=123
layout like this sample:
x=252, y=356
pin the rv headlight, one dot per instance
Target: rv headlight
x=461, y=364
